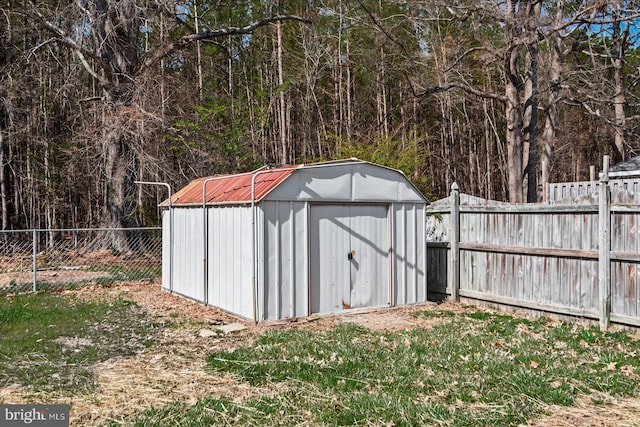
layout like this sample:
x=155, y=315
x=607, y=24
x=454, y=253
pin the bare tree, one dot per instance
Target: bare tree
x=603, y=71
x=525, y=25
x=108, y=47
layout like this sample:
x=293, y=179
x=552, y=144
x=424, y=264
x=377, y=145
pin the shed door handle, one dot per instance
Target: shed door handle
x=349, y=256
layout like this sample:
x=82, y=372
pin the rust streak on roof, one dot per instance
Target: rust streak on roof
x=231, y=188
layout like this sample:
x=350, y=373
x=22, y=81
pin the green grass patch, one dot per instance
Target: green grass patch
x=52, y=342
x=473, y=369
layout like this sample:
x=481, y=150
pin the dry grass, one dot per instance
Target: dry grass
x=52, y=277
x=174, y=368
x=596, y=410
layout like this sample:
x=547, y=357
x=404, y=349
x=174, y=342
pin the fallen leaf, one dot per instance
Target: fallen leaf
x=628, y=371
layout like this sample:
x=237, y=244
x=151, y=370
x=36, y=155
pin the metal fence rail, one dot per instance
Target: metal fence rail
x=34, y=260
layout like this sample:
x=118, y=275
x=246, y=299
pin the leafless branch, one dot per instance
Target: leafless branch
x=450, y=86
x=66, y=40
x=185, y=41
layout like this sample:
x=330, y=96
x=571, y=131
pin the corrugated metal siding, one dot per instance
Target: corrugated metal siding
x=329, y=268
x=409, y=266
x=287, y=228
x=336, y=282
x=166, y=250
x=229, y=259
x=284, y=287
x=369, y=233
x=188, y=254
x=347, y=183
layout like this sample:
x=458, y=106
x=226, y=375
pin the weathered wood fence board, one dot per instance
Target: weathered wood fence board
x=542, y=257
x=625, y=272
x=586, y=192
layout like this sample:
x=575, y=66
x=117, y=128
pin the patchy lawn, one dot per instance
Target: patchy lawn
x=151, y=358
x=52, y=342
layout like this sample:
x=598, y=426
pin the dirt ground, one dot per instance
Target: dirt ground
x=51, y=277
x=173, y=369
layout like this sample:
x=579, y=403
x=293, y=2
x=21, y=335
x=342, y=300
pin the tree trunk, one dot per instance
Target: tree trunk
x=514, y=128
x=118, y=26
x=551, y=113
x=349, y=89
x=282, y=109
x=196, y=24
x=521, y=91
x=4, y=189
x=619, y=97
x=530, y=122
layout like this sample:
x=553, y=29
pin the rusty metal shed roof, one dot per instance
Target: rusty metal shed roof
x=229, y=189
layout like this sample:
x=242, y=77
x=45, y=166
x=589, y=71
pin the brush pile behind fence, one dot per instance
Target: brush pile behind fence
x=34, y=260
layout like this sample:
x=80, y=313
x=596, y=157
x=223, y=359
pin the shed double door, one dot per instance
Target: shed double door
x=349, y=257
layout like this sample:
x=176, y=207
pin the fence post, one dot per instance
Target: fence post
x=604, y=246
x=454, y=243
x=34, y=247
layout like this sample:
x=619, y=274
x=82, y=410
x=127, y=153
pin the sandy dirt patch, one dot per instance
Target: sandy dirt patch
x=51, y=277
x=610, y=412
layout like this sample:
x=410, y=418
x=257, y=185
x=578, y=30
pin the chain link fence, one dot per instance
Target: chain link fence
x=35, y=260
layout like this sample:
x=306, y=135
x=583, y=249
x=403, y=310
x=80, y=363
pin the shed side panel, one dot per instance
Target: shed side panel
x=166, y=250
x=246, y=267
x=229, y=259
x=399, y=253
x=188, y=253
x=284, y=248
x=409, y=268
x=301, y=275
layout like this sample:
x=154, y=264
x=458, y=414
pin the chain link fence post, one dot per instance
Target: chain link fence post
x=34, y=246
x=76, y=258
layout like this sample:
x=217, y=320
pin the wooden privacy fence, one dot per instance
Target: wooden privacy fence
x=623, y=191
x=579, y=260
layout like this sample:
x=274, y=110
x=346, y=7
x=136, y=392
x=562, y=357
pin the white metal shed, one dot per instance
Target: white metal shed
x=295, y=240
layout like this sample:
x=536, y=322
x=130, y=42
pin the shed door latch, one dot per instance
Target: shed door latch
x=349, y=256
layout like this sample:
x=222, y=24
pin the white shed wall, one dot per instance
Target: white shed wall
x=409, y=248
x=166, y=250
x=283, y=283
x=187, y=252
x=283, y=277
x=230, y=268
x=351, y=182
x=282, y=242
x=349, y=256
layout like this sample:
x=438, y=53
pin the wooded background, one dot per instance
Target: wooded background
x=500, y=96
